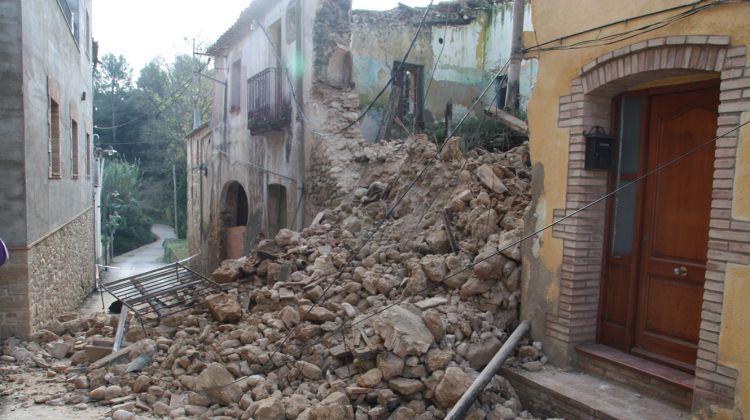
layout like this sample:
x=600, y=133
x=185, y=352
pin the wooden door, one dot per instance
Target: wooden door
x=655, y=257
x=676, y=213
x=236, y=242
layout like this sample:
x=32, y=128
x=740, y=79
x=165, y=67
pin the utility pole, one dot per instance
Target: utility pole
x=174, y=196
x=516, y=56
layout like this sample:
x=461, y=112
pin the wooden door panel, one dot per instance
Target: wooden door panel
x=662, y=306
x=676, y=214
x=680, y=195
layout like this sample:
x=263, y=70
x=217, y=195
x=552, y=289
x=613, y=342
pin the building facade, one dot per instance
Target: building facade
x=273, y=68
x=46, y=203
x=660, y=271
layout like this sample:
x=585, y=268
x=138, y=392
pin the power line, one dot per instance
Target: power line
x=372, y=103
x=531, y=235
x=172, y=96
x=694, y=8
x=390, y=211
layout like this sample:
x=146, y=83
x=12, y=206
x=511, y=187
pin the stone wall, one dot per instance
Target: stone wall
x=61, y=269
x=14, y=295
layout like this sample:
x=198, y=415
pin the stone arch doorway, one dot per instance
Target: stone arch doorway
x=234, y=218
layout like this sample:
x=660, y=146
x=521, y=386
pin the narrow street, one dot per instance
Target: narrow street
x=21, y=403
x=139, y=260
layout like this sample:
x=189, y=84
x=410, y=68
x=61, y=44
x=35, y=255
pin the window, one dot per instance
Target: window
x=70, y=12
x=235, y=85
x=74, y=147
x=88, y=155
x=87, y=34
x=291, y=23
x=54, y=139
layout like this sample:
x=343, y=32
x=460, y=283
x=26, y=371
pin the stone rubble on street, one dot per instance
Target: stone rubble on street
x=324, y=324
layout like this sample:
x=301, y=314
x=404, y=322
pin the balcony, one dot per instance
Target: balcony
x=268, y=108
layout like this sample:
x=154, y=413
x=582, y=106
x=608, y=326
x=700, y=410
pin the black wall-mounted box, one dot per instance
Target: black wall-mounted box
x=599, y=153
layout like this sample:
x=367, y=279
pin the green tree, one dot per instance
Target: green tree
x=125, y=226
x=169, y=89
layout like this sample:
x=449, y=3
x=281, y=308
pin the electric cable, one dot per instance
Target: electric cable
x=695, y=7
x=390, y=211
x=372, y=103
x=537, y=232
x=173, y=96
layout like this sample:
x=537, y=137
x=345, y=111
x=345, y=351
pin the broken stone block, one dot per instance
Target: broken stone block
x=403, y=332
x=217, y=383
x=228, y=271
x=438, y=242
x=437, y=359
x=309, y=370
x=224, y=307
x=370, y=378
x=479, y=354
x=290, y=317
x=453, y=385
x=270, y=409
x=286, y=238
x=58, y=350
x=488, y=178
x=434, y=323
x=317, y=314
x=406, y=386
x=434, y=267
x=390, y=365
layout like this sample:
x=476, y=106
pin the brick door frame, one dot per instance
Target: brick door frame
x=574, y=322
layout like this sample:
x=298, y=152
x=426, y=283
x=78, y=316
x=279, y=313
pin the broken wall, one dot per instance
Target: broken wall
x=464, y=46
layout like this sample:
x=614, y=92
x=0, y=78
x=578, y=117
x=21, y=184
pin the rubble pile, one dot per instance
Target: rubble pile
x=324, y=324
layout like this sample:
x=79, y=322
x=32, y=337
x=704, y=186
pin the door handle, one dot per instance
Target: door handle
x=680, y=271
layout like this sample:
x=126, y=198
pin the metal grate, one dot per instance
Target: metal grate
x=164, y=291
x=267, y=106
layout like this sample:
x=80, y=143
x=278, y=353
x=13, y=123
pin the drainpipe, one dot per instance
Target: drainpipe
x=462, y=406
x=301, y=136
x=516, y=56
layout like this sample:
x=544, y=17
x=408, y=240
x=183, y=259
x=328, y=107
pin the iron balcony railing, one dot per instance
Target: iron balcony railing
x=268, y=108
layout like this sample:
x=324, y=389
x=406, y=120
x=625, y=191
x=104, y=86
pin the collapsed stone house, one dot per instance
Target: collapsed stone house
x=458, y=51
x=291, y=76
x=283, y=72
x=46, y=203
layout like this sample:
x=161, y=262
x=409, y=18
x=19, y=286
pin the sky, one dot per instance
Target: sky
x=145, y=29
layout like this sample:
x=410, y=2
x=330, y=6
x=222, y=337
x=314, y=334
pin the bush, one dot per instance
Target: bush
x=478, y=132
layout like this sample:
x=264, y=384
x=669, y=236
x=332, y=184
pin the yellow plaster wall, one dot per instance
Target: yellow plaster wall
x=552, y=19
x=549, y=144
x=734, y=339
x=741, y=203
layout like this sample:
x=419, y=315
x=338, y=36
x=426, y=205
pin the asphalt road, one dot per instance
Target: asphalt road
x=139, y=260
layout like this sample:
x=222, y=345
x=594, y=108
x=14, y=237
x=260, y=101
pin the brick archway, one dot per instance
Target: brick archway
x=574, y=321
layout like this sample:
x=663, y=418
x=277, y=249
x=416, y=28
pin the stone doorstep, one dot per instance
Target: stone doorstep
x=577, y=395
x=648, y=377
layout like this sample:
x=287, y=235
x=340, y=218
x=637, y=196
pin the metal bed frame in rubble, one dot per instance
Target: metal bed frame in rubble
x=161, y=292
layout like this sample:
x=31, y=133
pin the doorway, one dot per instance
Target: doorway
x=277, y=213
x=234, y=217
x=656, y=241
x=411, y=104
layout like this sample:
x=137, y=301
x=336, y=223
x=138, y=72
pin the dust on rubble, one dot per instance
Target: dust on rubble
x=324, y=324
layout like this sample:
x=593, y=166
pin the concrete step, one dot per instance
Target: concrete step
x=648, y=377
x=576, y=395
